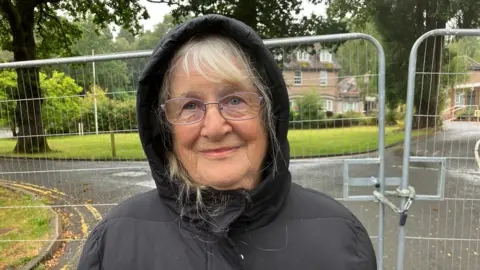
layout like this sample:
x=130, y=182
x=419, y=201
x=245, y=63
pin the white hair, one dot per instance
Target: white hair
x=216, y=58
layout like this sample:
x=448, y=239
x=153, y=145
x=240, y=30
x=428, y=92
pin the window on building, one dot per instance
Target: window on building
x=349, y=106
x=323, y=77
x=297, y=77
x=327, y=105
x=325, y=56
x=302, y=56
x=459, y=99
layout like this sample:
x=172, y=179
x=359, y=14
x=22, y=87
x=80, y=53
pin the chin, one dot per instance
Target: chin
x=224, y=173
x=222, y=179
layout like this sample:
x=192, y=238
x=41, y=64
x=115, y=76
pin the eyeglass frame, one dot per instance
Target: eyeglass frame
x=204, y=108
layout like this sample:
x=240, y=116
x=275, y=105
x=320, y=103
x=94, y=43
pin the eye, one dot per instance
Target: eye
x=234, y=100
x=190, y=105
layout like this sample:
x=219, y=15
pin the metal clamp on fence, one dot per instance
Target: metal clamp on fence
x=403, y=193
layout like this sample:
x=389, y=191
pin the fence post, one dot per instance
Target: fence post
x=112, y=135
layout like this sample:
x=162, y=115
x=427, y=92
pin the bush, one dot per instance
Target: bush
x=310, y=115
x=467, y=112
x=121, y=114
x=371, y=119
x=354, y=117
x=346, y=119
x=8, y=86
x=124, y=115
x=310, y=112
x=60, y=107
x=391, y=117
x=62, y=104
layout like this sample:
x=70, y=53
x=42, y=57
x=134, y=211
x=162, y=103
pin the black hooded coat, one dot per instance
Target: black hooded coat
x=278, y=225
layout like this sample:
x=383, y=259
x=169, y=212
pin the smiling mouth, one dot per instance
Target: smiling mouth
x=219, y=153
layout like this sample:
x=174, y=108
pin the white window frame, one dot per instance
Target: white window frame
x=327, y=105
x=459, y=99
x=325, y=56
x=295, y=77
x=323, y=77
x=302, y=56
x=346, y=106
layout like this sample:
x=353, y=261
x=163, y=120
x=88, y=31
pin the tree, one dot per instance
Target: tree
x=127, y=35
x=359, y=59
x=8, y=86
x=32, y=29
x=111, y=75
x=269, y=18
x=149, y=39
x=61, y=106
x=418, y=17
x=309, y=112
x=62, y=103
x=5, y=56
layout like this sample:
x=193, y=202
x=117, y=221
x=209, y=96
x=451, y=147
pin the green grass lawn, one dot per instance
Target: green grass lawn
x=21, y=224
x=303, y=143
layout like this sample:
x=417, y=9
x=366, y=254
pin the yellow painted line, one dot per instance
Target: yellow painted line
x=30, y=188
x=94, y=212
x=45, y=188
x=83, y=223
x=48, y=192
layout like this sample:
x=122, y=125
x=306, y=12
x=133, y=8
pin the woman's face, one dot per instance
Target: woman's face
x=216, y=152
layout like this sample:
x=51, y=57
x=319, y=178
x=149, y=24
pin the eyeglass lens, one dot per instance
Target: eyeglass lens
x=238, y=106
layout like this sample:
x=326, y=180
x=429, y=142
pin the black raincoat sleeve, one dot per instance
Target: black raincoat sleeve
x=91, y=257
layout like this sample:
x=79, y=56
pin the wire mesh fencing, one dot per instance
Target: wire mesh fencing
x=68, y=133
x=334, y=97
x=66, y=130
x=444, y=234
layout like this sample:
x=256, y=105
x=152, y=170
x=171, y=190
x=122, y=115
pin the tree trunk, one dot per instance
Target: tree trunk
x=28, y=112
x=31, y=135
x=427, y=100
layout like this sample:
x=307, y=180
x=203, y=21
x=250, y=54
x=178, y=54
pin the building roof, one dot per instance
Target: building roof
x=348, y=86
x=314, y=62
x=467, y=85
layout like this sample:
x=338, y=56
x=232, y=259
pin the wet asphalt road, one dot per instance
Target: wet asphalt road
x=440, y=234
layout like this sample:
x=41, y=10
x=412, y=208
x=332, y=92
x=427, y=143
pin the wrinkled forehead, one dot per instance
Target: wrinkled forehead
x=207, y=75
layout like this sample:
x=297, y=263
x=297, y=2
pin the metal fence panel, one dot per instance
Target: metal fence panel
x=88, y=115
x=442, y=101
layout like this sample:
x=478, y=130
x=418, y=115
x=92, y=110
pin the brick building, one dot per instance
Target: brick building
x=304, y=72
x=465, y=95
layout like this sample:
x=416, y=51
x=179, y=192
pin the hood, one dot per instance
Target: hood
x=251, y=209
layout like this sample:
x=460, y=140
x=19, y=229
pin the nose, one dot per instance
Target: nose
x=214, y=126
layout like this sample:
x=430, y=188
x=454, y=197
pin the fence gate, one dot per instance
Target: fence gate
x=86, y=113
x=440, y=157
x=362, y=172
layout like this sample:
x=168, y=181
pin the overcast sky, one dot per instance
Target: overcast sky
x=157, y=11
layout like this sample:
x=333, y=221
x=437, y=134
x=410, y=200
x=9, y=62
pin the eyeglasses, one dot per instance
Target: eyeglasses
x=237, y=107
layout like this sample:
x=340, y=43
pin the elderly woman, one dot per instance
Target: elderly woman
x=213, y=116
